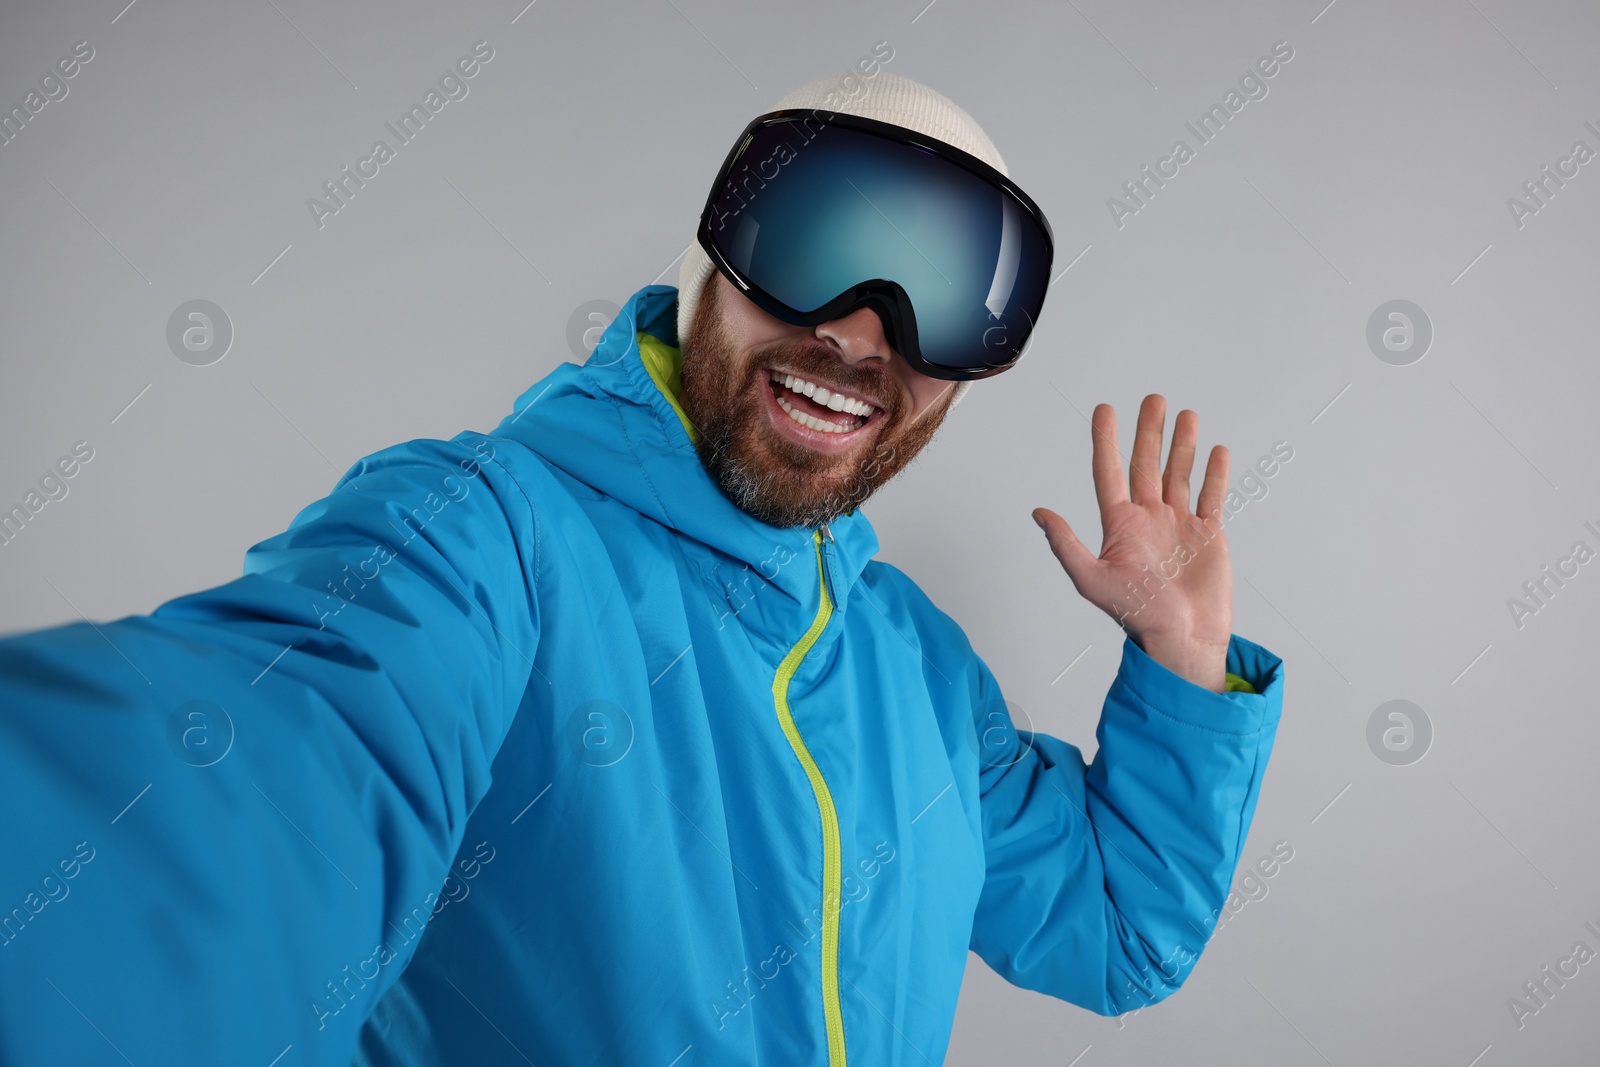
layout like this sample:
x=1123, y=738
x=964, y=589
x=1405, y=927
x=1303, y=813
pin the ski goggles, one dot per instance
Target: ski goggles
x=815, y=214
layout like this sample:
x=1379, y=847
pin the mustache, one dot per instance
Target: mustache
x=814, y=359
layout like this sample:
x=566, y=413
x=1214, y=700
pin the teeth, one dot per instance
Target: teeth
x=815, y=423
x=831, y=400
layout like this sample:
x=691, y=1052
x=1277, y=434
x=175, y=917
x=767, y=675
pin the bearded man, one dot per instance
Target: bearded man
x=603, y=739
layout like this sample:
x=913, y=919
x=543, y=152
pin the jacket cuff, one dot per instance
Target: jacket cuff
x=1232, y=712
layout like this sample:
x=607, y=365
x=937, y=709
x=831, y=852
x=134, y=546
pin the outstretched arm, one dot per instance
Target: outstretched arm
x=218, y=812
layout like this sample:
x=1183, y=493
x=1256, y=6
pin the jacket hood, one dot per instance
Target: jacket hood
x=614, y=424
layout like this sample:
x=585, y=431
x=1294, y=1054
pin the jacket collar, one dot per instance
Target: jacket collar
x=615, y=425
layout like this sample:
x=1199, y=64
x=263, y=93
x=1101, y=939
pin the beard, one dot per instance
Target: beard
x=777, y=480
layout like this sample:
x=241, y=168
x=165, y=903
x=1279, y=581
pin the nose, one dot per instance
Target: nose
x=857, y=336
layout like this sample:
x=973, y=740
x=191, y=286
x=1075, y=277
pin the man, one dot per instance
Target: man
x=602, y=739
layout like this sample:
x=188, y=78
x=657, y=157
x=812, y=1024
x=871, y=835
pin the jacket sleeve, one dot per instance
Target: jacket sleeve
x=219, y=814
x=1104, y=881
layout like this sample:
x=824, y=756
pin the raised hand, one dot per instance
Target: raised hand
x=1162, y=571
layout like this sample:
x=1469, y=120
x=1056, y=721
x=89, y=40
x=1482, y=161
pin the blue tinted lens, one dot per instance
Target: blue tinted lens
x=811, y=210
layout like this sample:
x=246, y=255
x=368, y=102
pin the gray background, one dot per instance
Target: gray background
x=1378, y=564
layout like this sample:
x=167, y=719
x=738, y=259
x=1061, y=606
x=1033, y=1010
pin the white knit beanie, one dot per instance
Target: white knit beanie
x=883, y=96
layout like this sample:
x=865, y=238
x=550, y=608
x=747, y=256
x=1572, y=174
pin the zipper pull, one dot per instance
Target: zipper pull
x=825, y=534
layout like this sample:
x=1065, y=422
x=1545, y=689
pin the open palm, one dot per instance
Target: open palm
x=1162, y=570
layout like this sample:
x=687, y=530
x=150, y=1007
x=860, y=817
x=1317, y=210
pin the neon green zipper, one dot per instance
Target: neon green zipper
x=831, y=876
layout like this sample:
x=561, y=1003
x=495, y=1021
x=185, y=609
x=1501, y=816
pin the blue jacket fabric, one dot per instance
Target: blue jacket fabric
x=530, y=747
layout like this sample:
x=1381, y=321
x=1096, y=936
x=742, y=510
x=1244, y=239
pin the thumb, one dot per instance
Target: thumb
x=1072, y=553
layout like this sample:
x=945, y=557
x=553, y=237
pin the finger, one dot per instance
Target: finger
x=1075, y=557
x=1180, y=461
x=1110, y=487
x=1215, y=484
x=1144, y=472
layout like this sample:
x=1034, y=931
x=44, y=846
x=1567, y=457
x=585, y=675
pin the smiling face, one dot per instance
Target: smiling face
x=751, y=385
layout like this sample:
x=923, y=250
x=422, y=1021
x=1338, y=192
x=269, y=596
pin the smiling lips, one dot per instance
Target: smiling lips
x=817, y=407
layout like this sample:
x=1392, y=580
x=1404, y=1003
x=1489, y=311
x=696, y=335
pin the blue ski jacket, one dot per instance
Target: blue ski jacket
x=531, y=747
